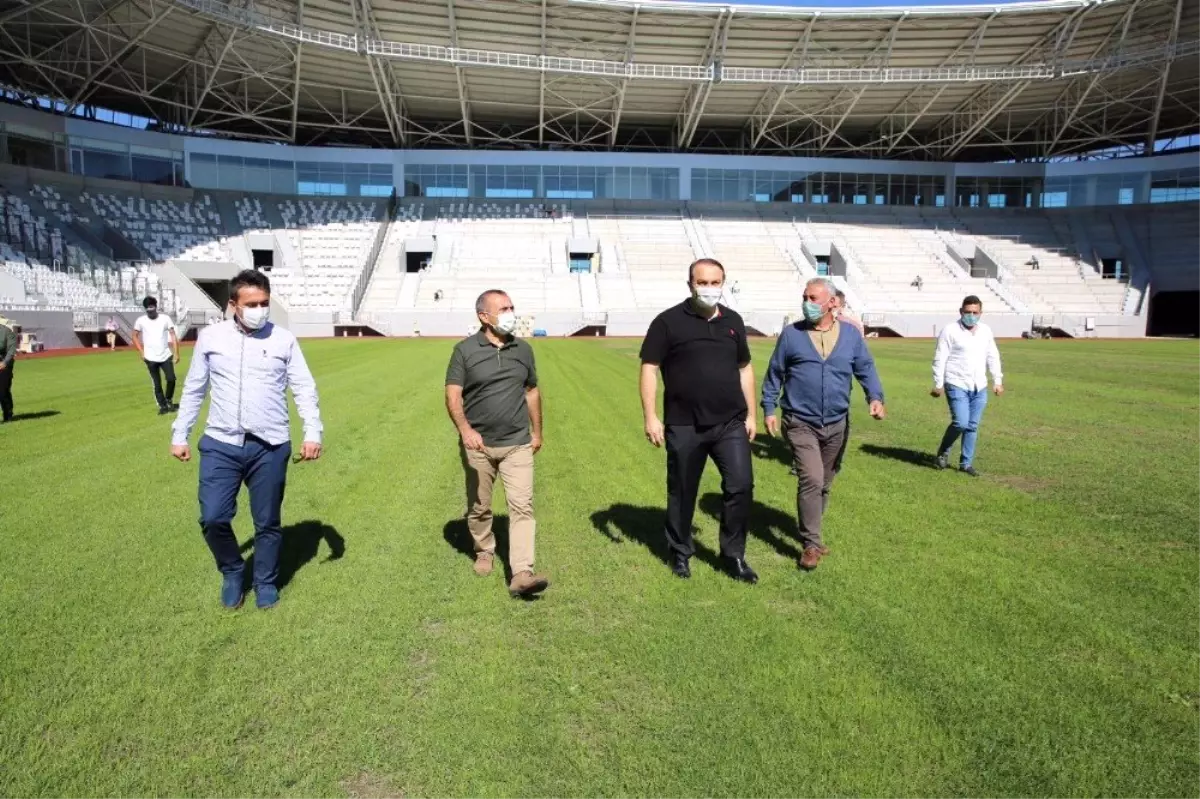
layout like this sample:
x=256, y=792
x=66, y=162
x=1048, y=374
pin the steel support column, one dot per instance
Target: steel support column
x=1152, y=133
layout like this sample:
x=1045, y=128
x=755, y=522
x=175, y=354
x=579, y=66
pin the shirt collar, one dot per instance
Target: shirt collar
x=690, y=308
x=484, y=341
x=262, y=332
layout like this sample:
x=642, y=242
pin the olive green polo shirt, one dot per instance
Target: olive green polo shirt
x=494, y=380
x=8, y=345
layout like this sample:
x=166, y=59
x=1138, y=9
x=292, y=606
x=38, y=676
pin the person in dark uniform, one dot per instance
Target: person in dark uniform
x=8, y=356
x=700, y=346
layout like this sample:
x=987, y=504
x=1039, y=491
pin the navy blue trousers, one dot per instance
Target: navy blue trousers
x=223, y=470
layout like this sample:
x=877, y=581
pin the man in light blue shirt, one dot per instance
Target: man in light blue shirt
x=248, y=363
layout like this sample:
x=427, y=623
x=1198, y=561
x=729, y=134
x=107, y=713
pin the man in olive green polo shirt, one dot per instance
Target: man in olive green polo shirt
x=493, y=399
x=8, y=356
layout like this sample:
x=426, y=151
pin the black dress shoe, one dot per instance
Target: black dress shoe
x=679, y=566
x=739, y=569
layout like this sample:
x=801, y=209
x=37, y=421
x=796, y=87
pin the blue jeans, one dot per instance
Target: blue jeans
x=966, y=411
x=223, y=469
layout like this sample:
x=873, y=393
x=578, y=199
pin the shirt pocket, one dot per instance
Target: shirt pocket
x=263, y=364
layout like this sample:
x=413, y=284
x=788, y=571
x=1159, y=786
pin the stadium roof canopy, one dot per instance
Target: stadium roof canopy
x=1020, y=80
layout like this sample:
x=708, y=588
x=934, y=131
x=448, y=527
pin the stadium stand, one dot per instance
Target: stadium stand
x=332, y=240
x=476, y=243
x=588, y=213
x=163, y=229
x=1041, y=262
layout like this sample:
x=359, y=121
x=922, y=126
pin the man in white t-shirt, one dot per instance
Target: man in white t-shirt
x=966, y=351
x=154, y=337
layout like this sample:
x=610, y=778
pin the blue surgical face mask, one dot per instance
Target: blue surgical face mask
x=812, y=311
x=970, y=319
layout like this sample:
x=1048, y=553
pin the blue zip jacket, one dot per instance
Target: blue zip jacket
x=814, y=390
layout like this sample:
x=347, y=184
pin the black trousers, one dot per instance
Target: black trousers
x=688, y=450
x=157, y=370
x=6, y=403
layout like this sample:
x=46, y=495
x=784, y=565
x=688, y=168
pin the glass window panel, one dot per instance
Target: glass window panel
x=257, y=177
x=283, y=177
x=156, y=152
x=146, y=169
x=204, y=173
x=229, y=172
x=100, y=145
x=29, y=132
x=97, y=164
x=37, y=153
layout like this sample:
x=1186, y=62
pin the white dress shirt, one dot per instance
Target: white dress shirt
x=963, y=355
x=249, y=374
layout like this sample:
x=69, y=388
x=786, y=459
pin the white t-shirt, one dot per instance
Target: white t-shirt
x=156, y=337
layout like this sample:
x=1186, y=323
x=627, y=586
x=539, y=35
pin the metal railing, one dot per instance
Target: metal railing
x=381, y=235
x=269, y=20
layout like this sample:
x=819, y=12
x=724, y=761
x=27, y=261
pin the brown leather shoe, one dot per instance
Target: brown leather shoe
x=484, y=562
x=527, y=584
x=810, y=558
x=824, y=550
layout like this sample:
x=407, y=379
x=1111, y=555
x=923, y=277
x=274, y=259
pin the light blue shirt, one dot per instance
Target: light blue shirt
x=248, y=374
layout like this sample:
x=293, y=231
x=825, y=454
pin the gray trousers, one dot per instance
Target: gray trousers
x=815, y=455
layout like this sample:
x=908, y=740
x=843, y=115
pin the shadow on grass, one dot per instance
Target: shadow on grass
x=902, y=454
x=458, y=536
x=774, y=448
x=769, y=525
x=621, y=523
x=29, y=417
x=299, y=547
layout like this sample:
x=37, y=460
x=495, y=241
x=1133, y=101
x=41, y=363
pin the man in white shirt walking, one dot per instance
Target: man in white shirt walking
x=154, y=337
x=966, y=352
x=249, y=364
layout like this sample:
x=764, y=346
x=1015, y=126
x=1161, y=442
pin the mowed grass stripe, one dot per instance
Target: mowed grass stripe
x=1033, y=632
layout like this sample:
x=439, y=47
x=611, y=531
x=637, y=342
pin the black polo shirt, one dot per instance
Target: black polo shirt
x=699, y=359
x=494, y=380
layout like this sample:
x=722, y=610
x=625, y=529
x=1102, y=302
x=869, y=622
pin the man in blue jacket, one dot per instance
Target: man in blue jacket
x=812, y=365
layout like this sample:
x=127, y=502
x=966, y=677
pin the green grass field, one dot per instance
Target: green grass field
x=1033, y=632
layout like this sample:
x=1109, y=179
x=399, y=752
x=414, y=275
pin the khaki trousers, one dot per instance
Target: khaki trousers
x=514, y=465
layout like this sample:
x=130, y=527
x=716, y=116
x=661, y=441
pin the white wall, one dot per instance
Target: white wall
x=12, y=288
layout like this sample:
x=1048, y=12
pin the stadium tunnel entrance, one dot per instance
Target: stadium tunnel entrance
x=1174, y=313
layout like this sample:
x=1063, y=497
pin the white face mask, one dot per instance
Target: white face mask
x=254, y=318
x=506, y=323
x=709, y=296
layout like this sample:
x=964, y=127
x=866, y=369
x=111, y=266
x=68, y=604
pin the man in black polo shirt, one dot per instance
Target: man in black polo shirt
x=492, y=397
x=701, y=348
